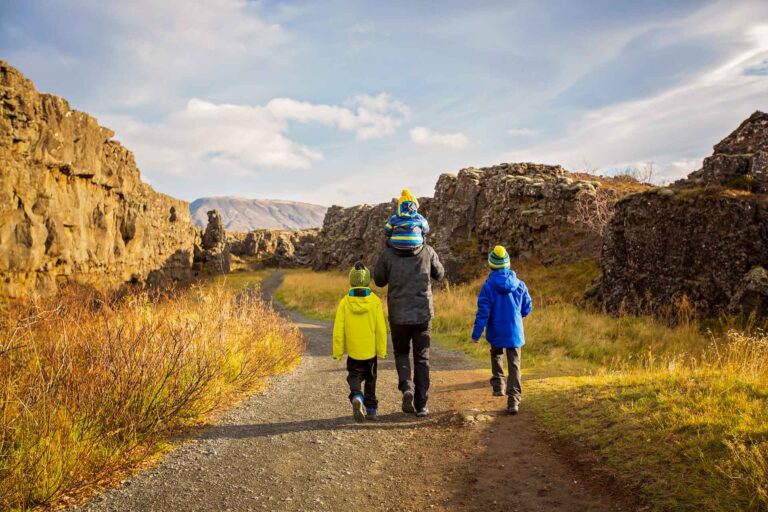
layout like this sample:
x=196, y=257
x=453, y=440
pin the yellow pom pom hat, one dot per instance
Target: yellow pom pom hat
x=498, y=258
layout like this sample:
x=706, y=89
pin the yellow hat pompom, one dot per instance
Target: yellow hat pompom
x=500, y=251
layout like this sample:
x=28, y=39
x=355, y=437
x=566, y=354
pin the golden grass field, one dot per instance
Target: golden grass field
x=91, y=385
x=676, y=411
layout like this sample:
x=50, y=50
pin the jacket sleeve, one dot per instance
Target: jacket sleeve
x=388, y=228
x=381, y=333
x=437, y=271
x=424, y=225
x=381, y=270
x=483, y=312
x=526, y=306
x=338, y=330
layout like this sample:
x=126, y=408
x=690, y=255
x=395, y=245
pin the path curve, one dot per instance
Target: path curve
x=295, y=447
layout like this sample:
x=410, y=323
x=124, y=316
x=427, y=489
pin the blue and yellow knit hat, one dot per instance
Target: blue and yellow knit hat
x=498, y=258
x=407, y=204
x=359, y=276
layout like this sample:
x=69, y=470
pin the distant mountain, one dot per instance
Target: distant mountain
x=242, y=214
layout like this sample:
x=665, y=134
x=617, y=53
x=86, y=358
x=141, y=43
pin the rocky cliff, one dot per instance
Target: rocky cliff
x=72, y=203
x=529, y=208
x=269, y=248
x=705, y=238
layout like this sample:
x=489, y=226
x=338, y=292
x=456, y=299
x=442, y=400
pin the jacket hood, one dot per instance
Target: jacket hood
x=504, y=280
x=360, y=305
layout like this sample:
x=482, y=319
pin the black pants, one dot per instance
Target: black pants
x=359, y=371
x=402, y=337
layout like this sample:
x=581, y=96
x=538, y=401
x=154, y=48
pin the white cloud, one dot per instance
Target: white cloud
x=425, y=137
x=369, y=117
x=676, y=127
x=522, y=132
x=237, y=139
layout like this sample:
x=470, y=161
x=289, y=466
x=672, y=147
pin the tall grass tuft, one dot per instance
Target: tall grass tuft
x=91, y=383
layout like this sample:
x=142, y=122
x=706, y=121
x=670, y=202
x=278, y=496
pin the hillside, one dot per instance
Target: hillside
x=243, y=214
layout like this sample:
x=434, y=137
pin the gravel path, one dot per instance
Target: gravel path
x=295, y=447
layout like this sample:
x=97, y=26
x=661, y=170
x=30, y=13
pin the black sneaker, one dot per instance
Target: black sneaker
x=498, y=392
x=358, y=409
x=408, y=407
x=422, y=413
x=372, y=413
x=513, y=409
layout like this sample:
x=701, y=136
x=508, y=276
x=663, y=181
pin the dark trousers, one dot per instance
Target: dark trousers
x=403, y=336
x=359, y=372
x=514, y=389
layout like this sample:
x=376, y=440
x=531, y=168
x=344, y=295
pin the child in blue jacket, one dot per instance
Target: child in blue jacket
x=501, y=306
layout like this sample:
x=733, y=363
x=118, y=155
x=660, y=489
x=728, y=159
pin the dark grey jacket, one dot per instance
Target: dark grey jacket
x=409, y=276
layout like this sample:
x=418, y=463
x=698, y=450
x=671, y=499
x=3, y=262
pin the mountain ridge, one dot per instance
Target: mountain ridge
x=248, y=214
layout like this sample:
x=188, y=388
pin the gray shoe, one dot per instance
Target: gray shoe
x=358, y=409
x=408, y=407
x=498, y=392
x=422, y=413
x=513, y=409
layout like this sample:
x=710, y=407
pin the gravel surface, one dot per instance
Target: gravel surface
x=295, y=447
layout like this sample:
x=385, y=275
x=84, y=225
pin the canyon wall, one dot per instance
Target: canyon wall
x=704, y=238
x=270, y=248
x=529, y=208
x=72, y=203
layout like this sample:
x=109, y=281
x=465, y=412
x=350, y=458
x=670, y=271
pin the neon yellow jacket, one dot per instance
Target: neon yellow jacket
x=360, y=329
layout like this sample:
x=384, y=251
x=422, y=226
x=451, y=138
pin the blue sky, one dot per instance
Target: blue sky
x=343, y=102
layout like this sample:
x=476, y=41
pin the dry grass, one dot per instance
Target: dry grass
x=675, y=411
x=90, y=384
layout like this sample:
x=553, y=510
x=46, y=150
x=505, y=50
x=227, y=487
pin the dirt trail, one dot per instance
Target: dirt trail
x=296, y=448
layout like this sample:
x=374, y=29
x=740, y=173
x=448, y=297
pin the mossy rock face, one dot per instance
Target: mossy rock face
x=745, y=182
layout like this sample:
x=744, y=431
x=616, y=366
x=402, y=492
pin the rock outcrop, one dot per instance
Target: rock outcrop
x=529, y=208
x=705, y=238
x=281, y=249
x=212, y=255
x=72, y=203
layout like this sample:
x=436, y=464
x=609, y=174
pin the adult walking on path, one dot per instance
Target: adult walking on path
x=409, y=274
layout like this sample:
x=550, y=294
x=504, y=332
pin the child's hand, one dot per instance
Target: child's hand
x=336, y=358
x=475, y=341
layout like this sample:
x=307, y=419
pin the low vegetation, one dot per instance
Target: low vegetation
x=676, y=409
x=91, y=384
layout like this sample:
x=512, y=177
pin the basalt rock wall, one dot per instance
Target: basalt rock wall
x=705, y=238
x=72, y=203
x=529, y=208
x=270, y=248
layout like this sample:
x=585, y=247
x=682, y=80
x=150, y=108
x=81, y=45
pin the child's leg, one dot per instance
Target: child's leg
x=371, y=367
x=514, y=387
x=355, y=373
x=497, y=368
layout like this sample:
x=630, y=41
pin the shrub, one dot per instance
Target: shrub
x=90, y=383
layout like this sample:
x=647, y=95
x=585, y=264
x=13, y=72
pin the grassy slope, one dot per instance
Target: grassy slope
x=92, y=385
x=674, y=412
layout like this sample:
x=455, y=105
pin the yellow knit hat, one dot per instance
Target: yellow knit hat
x=498, y=258
x=407, y=196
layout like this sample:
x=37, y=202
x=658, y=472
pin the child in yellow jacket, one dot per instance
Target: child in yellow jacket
x=361, y=331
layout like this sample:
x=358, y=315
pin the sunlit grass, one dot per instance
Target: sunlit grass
x=90, y=384
x=676, y=412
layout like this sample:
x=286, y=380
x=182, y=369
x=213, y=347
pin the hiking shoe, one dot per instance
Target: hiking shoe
x=513, y=409
x=408, y=407
x=498, y=392
x=372, y=413
x=358, y=409
x=422, y=413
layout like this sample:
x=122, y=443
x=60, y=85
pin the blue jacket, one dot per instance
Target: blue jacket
x=501, y=306
x=407, y=228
